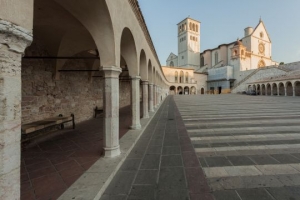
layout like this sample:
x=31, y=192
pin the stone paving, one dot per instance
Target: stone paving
x=248, y=146
x=51, y=167
x=163, y=164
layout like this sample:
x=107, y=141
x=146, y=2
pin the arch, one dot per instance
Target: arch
x=172, y=90
x=186, y=90
x=186, y=77
x=281, y=89
x=172, y=64
x=258, y=89
x=193, y=90
x=289, y=88
x=181, y=77
x=143, y=66
x=274, y=89
x=263, y=89
x=150, y=72
x=297, y=88
x=128, y=52
x=179, y=90
x=194, y=28
x=202, y=91
x=268, y=89
x=176, y=77
x=261, y=63
x=254, y=89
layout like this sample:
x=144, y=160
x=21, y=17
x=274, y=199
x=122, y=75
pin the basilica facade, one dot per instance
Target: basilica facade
x=227, y=64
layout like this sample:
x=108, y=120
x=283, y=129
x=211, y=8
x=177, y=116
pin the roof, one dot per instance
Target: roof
x=189, y=18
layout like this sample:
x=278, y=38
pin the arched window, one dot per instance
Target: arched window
x=186, y=77
x=235, y=52
x=202, y=61
x=216, y=58
x=172, y=64
x=176, y=77
x=181, y=78
x=242, y=52
x=261, y=63
x=196, y=28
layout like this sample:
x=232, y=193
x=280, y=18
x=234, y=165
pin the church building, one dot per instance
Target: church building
x=227, y=64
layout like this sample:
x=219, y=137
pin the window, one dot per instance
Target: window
x=202, y=61
x=181, y=78
x=172, y=64
x=186, y=77
x=196, y=28
x=216, y=58
x=242, y=52
x=235, y=52
x=261, y=64
x=176, y=77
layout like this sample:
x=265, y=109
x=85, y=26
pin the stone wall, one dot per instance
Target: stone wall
x=74, y=92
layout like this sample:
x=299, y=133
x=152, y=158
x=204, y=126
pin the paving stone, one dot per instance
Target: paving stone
x=219, y=144
x=146, y=177
x=285, y=158
x=263, y=159
x=240, y=160
x=166, y=194
x=120, y=184
x=113, y=197
x=154, y=150
x=171, y=142
x=150, y=162
x=203, y=162
x=171, y=150
x=285, y=193
x=217, y=161
x=156, y=142
x=254, y=194
x=172, y=178
x=171, y=161
x=131, y=164
x=145, y=192
x=226, y=195
x=201, y=145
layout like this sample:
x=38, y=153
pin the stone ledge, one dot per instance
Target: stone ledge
x=93, y=183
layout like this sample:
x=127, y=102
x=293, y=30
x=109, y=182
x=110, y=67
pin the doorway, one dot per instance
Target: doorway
x=220, y=90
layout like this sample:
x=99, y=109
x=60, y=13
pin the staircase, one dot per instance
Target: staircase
x=247, y=77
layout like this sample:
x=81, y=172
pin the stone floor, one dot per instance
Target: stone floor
x=248, y=146
x=163, y=164
x=49, y=168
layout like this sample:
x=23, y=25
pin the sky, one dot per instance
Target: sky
x=223, y=21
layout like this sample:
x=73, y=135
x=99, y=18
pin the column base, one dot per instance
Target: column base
x=146, y=117
x=136, y=127
x=111, y=152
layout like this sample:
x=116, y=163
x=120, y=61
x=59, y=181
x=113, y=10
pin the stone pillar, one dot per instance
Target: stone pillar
x=145, y=100
x=135, y=102
x=13, y=41
x=272, y=91
x=111, y=110
x=151, y=97
x=154, y=96
x=285, y=93
x=278, y=91
x=294, y=92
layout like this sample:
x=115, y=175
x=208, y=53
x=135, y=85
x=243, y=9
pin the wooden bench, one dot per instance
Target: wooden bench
x=42, y=124
x=98, y=111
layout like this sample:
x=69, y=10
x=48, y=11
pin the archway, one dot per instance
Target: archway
x=193, y=90
x=186, y=77
x=281, y=89
x=186, y=90
x=269, y=89
x=258, y=90
x=176, y=77
x=263, y=89
x=289, y=89
x=172, y=90
x=202, y=91
x=297, y=88
x=274, y=89
x=254, y=89
x=179, y=90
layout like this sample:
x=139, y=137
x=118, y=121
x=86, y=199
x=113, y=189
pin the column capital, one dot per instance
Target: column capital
x=146, y=82
x=151, y=84
x=135, y=77
x=111, y=71
x=15, y=37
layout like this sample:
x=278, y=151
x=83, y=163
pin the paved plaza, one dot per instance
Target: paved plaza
x=222, y=147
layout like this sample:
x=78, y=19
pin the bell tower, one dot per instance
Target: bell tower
x=189, y=43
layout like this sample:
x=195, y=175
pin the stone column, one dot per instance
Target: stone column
x=13, y=41
x=272, y=91
x=151, y=97
x=154, y=96
x=285, y=93
x=278, y=90
x=294, y=92
x=135, y=102
x=111, y=110
x=145, y=100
